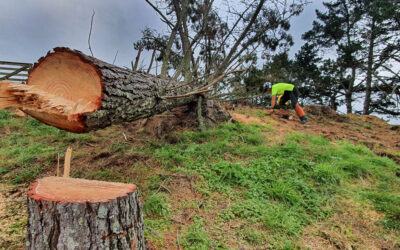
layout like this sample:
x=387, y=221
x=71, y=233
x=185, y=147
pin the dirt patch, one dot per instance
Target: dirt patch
x=100, y=156
x=323, y=112
x=120, y=160
x=395, y=128
x=179, y=119
x=247, y=119
x=373, y=132
x=186, y=204
x=351, y=227
x=368, y=119
x=162, y=125
x=12, y=216
x=370, y=131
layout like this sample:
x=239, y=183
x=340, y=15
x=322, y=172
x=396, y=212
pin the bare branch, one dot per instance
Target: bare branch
x=219, y=78
x=115, y=57
x=90, y=32
x=205, y=88
x=233, y=27
x=152, y=59
x=182, y=13
x=161, y=14
x=187, y=95
x=204, y=24
x=169, y=47
x=134, y=67
x=225, y=62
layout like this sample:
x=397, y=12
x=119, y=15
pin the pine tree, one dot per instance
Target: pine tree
x=336, y=34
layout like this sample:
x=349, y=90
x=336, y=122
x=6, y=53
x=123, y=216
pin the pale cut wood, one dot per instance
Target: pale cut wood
x=58, y=165
x=68, y=213
x=67, y=162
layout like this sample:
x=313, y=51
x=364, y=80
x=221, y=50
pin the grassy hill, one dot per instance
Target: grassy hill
x=257, y=183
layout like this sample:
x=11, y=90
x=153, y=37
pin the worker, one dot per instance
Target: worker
x=288, y=92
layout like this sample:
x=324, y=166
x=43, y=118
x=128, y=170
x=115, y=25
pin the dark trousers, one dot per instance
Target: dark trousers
x=289, y=95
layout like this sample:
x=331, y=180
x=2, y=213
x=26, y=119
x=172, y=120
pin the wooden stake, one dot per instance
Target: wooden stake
x=67, y=162
x=58, y=164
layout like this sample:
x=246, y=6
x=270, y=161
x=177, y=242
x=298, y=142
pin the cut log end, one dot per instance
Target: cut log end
x=71, y=190
x=61, y=88
x=79, y=93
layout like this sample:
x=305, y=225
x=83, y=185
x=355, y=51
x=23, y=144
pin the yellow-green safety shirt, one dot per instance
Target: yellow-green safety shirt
x=280, y=88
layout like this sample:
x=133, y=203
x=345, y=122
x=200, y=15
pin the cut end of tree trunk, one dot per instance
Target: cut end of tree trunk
x=61, y=87
x=79, y=93
x=71, y=190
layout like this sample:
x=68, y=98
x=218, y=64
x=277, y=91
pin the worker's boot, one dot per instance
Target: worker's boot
x=303, y=119
x=301, y=114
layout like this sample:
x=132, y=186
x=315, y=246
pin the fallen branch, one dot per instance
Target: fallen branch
x=205, y=88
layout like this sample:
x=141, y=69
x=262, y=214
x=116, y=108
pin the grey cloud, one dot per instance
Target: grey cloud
x=28, y=28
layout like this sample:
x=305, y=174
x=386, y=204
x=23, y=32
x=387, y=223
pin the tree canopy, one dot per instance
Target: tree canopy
x=350, y=55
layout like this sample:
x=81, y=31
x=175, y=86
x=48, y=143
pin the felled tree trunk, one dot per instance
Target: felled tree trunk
x=67, y=213
x=75, y=92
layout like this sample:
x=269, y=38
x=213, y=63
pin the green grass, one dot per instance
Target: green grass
x=31, y=147
x=286, y=186
x=271, y=192
x=367, y=126
x=196, y=237
x=156, y=215
x=156, y=205
x=389, y=204
x=251, y=236
x=104, y=175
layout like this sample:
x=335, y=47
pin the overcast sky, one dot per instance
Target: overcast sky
x=30, y=28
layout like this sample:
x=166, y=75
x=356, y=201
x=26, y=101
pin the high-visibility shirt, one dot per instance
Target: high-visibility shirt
x=280, y=88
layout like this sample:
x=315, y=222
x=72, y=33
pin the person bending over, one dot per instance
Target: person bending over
x=288, y=92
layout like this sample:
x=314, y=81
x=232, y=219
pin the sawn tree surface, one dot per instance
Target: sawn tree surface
x=72, y=91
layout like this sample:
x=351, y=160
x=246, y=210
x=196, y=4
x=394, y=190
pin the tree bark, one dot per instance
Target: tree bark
x=134, y=67
x=79, y=93
x=332, y=102
x=200, y=117
x=368, y=83
x=182, y=14
x=151, y=60
x=164, y=66
x=348, y=97
x=67, y=213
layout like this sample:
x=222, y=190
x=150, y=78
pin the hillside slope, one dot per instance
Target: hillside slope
x=256, y=182
x=374, y=133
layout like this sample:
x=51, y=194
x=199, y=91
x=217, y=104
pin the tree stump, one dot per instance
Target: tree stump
x=68, y=213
